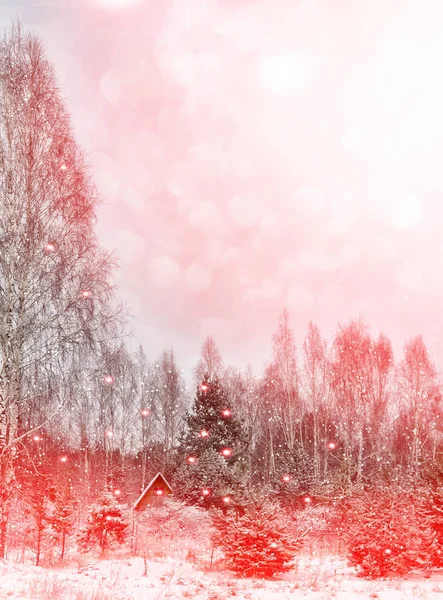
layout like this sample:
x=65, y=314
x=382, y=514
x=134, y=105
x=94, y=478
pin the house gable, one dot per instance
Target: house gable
x=154, y=492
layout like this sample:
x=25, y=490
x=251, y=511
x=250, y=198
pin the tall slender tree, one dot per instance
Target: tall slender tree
x=210, y=365
x=281, y=400
x=316, y=392
x=243, y=392
x=420, y=391
x=145, y=418
x=381, y=407
x=170, y=404
x=55, y=291
x=351, y=371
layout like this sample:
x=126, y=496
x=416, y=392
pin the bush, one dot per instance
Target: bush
x=173, y=525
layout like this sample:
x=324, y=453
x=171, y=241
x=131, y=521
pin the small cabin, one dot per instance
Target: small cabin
x=154, y=493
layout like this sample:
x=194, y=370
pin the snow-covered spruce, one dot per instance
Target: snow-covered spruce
x=211, y=450
x=106, y=524
x=256, y=543
x=388, y=533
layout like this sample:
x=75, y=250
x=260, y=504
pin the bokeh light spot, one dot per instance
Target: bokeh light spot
x=198, y=277
x=163, y=271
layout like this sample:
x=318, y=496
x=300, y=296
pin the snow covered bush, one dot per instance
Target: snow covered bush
x=21, y=532
x=106, y=524
x=173, y=527
x=256, y=543
x=387, y=533
x=314, y=526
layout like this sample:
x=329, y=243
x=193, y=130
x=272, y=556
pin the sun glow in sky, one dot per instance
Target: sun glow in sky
x=256, y=154
x=118, y=3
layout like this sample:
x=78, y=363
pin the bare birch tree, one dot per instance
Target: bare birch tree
x=210, y=364
x=146, y=417
x=420, y=394
x=244, y=396
x=283, y=379
x=350, y=376
x=315, y=385
x=361, y=381
x=382, y=409
x=170, y=403
x=55, y=287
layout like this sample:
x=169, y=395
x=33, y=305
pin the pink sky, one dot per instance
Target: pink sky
x=260, y=153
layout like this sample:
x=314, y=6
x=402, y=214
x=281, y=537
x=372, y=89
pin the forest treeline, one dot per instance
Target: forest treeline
x=330, y=417
x=80, y=413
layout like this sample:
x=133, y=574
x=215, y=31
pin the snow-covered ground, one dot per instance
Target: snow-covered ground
x=124, y=579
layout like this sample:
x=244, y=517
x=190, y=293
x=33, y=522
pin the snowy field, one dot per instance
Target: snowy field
x=125, y=579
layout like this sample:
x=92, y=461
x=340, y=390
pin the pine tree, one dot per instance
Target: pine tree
x=207, y=481
x=433, y=513
x=387, y=533
x=211, y=449
x=106, y=523
x=256, y=544
x=62, y=518
x=35, y=481
x=294, y=476
x=41, y=496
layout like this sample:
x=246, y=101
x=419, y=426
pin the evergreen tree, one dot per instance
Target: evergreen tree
x=212, y=448
x=35, y=480
x=62, y=518
x=106, y=523
x=207, y=481
x=434, y=516
x=294, y=475
x=256, y=544
x=41, y=497
x=387, y=533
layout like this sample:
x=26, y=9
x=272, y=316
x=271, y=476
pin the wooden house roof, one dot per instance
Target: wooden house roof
x=158, y=479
